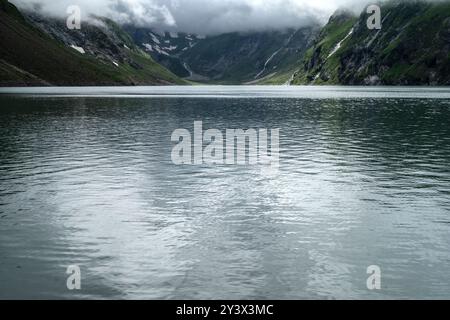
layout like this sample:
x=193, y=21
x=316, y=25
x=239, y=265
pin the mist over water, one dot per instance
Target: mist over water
x=89, y=181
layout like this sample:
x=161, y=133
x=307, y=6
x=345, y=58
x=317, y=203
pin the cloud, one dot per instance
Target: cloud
x=139, y=12
x=200, y=16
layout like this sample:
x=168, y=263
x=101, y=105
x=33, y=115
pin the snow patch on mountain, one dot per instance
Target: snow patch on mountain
x=79, y=49
x=148, y=46
x=161, y=51
x=171, y=48
x=154, y=38
x=339, y=45
x=267, y=62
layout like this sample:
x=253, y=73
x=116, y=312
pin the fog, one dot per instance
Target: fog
x=201, y=16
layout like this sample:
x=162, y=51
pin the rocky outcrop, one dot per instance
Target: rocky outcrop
x=410, y=49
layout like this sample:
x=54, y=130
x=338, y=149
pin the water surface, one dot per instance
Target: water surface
x=86, y=178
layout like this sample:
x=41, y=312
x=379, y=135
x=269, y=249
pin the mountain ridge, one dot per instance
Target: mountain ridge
x=229, y=58
x=411, y=48
x=30, y=56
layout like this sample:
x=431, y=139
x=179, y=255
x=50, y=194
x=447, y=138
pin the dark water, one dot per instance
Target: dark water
x=88, y=181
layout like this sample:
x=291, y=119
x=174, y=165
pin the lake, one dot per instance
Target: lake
x=87, y=179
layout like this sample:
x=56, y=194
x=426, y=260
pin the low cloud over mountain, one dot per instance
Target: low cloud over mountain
x=200, y=16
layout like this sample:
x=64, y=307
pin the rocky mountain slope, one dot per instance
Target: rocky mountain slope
x=412, y=48
x=166, y=48
x=37, y=51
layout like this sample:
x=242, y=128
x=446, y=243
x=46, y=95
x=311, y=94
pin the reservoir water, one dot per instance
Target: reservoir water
x=86, y=179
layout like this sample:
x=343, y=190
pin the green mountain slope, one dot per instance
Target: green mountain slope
x=29, y=56
x=231, y=58
x=412, y=48
x=249, y=57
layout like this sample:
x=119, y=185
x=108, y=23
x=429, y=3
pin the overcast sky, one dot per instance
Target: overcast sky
x=201, y=16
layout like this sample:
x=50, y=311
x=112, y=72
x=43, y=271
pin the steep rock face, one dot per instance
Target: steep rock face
x=321, y=62
x=412, y=48
x=38, y=51
x=165, y=48
x=108, y=43
x=100, y=37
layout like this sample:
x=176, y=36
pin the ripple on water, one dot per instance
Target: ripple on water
x=90, y=182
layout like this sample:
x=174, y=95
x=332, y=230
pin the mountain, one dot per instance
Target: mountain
x=249, y=57
x=412, y=48
x=37, y=51
x=165, y=48
x=231, y=58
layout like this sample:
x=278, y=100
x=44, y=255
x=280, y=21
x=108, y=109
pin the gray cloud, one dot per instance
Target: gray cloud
x=139, y=12
x=202, y=16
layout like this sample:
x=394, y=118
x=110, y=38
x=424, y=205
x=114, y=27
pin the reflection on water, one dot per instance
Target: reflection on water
x=89, y=181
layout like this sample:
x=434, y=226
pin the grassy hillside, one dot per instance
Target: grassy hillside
x=412, y=48
x=320, y=64
x=28, y=56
